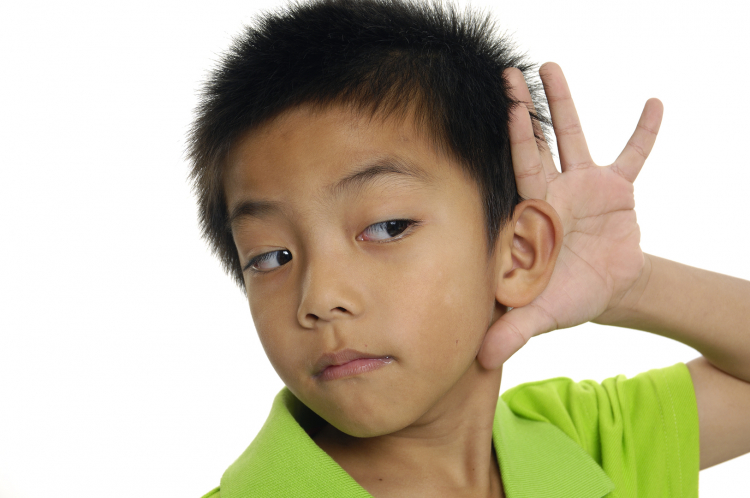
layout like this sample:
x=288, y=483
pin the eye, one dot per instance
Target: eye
x=269, y=261
x=385, y=230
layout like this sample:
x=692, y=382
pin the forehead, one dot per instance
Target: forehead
x=306, y=148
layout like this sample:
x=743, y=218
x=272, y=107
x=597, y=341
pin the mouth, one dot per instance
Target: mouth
x=347, y=363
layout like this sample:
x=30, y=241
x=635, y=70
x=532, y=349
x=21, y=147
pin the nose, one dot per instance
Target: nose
x=328, y=291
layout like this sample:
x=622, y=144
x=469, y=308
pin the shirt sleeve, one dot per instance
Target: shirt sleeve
x=642, y=431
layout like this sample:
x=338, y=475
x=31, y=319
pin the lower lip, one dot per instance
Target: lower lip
x=354, y=367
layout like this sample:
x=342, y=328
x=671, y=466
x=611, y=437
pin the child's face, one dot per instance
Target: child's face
x=417, y=299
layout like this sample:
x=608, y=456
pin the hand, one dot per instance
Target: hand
x=601, y=265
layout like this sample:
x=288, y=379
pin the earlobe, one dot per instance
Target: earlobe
x=527, y=252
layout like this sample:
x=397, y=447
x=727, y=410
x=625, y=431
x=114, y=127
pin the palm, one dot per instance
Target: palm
x=600, y=259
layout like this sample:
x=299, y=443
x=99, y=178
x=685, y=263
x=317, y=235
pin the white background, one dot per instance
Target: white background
x=128, y=361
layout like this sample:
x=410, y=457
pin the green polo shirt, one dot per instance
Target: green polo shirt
x=554, y=438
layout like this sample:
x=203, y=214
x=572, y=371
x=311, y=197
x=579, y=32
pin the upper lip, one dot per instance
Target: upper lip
x=341, y=357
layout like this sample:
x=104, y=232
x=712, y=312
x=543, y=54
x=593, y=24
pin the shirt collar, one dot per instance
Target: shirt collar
x=536, y=460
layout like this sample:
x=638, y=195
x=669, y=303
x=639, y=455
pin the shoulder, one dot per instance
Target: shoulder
x=634, y=428
x=571, y=406
x=562, y=401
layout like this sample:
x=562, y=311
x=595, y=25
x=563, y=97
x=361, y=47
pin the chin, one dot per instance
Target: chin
x=364, y=427
x=368, y=419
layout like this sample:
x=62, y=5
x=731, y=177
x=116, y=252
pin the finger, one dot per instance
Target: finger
x=631, y=159
x=510, y=332
x=571, y=143
x=521, y=93
x=527, y=162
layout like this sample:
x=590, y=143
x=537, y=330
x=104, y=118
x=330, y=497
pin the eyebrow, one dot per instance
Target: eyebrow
x=252, y=209
x=381, y=167
x=353, y=182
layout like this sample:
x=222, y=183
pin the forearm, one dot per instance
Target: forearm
x=705, y=310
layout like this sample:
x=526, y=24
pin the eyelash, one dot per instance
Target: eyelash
x=410, y=226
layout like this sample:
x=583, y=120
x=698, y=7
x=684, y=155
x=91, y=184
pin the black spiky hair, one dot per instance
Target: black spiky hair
x=383, y=57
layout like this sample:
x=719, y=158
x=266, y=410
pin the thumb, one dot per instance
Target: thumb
x=510, y=332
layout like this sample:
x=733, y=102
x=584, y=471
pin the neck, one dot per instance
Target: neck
x=446, y=452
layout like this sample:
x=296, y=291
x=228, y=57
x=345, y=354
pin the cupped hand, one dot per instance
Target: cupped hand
x=601, y=263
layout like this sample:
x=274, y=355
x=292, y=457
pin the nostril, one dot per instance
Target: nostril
x=312, y=318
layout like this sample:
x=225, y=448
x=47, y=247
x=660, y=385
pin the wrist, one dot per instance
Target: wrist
x=625, y=308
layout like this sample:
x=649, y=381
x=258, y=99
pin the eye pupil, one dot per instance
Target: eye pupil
x=395, y=227
x=283, y=257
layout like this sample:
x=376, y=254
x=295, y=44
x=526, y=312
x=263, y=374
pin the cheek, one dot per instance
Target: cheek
x=440, y=306
x=273, y=320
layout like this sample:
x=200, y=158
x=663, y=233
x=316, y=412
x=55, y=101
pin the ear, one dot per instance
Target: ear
x=527, y=252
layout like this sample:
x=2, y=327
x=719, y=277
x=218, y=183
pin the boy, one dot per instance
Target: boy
x=355, y=166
